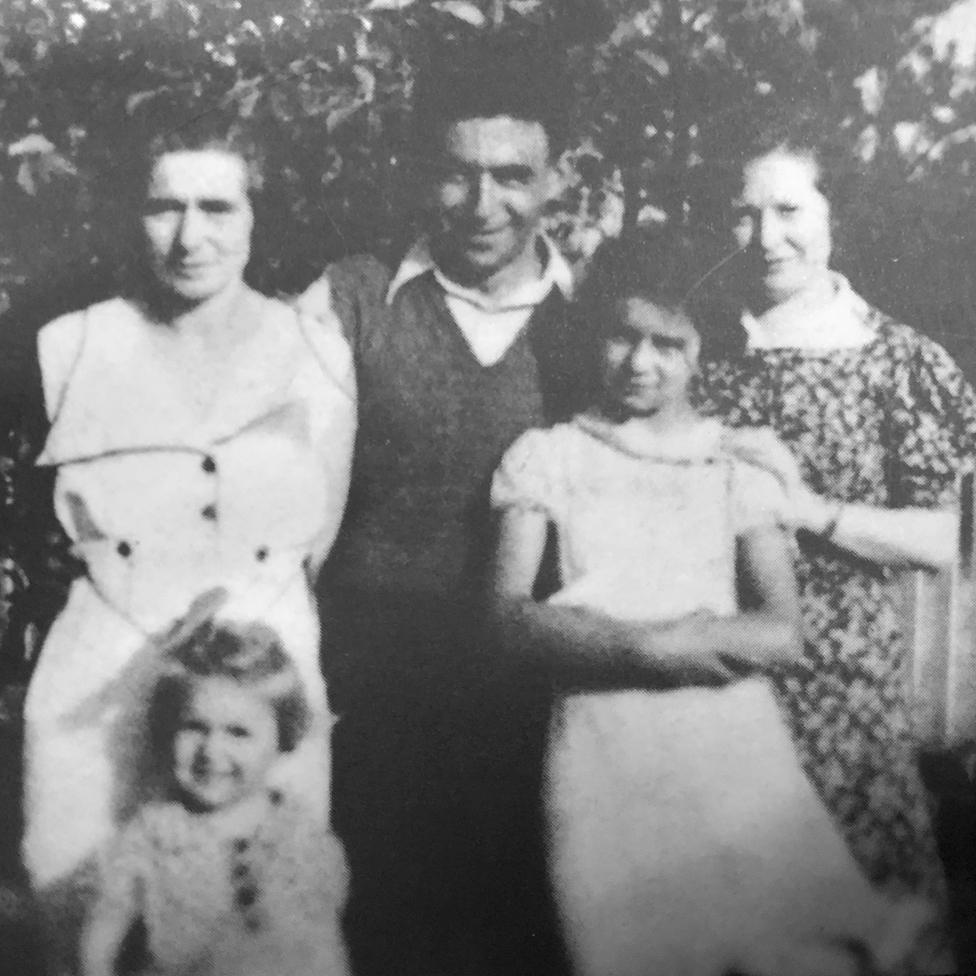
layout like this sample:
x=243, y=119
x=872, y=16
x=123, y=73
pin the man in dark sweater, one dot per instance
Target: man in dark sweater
x=459, y=348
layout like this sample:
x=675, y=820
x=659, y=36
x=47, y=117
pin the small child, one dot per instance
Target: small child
x=685, y=837
x=229, y=876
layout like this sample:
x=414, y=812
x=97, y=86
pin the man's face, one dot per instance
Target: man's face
x=490, y=186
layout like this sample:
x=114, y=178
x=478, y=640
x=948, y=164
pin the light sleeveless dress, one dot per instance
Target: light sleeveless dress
x=684, y=836
x=162, y=507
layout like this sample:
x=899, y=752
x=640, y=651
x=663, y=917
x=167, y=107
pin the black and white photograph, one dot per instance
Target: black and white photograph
x=487, y=487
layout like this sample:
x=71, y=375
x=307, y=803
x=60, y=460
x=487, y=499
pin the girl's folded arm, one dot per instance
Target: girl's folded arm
x=767, y=635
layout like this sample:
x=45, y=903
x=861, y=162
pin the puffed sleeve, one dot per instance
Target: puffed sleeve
x=757, y=499
x=933, y=424
x=529, y=475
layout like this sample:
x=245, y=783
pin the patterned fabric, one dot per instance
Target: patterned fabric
x=887, y=424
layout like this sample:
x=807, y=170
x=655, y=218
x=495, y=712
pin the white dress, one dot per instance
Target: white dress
x=163, y=507
x=685, y=838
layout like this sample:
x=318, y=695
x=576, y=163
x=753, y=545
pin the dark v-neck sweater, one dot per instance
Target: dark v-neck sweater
x=438, y=758
x=433, y=425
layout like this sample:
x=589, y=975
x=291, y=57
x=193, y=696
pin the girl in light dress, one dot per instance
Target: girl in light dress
x=685, y=839
x=230, y=875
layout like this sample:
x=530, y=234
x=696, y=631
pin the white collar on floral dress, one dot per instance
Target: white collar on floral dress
x=839, y=323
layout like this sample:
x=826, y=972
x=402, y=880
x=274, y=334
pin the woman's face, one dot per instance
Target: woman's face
x=197, y=221
x=649, y=358
x=782, y=225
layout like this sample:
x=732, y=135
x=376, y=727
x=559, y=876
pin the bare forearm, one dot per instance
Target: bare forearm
x=569, y=643
x=763, y=640
x=574, y=644
x=896, y=537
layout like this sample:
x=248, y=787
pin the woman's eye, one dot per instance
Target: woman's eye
x=239, y=732
x=154, y=208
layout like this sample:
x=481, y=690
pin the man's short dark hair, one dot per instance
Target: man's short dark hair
x=523, y=77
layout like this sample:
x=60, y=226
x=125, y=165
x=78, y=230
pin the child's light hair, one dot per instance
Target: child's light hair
x=251, y=656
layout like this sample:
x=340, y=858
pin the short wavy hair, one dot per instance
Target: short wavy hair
x=501, y=74
x=251, y=656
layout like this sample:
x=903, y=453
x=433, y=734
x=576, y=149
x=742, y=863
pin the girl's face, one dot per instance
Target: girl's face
x=197, y=222
x=649, y=358
x=225, y=743
x=782, y=224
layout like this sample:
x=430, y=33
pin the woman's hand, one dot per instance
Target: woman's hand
x=915, y=537
x=761, y=447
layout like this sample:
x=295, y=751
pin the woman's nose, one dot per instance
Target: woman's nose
x=769, y=231
x=191, y=229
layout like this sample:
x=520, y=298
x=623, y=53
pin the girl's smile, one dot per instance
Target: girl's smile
x=224, y=745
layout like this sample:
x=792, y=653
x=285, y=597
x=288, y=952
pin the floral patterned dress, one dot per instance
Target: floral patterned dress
x=888, y=424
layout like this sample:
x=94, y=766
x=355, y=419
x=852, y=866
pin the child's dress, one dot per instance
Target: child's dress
x=216, y=902
x=685, y=837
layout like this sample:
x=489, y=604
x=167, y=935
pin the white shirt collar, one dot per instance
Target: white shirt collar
x=839, y=323
x=556, y=274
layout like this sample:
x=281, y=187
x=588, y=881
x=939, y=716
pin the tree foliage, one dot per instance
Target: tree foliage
x=662, y=89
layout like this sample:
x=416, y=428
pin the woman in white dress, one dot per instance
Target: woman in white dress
x=202, y=436
x=685, y=838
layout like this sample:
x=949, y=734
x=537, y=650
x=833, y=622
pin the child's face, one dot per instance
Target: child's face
x=225, y=743
x=649, y=357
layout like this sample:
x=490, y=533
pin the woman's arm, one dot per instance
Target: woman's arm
x=579, y=645
x=920, y=537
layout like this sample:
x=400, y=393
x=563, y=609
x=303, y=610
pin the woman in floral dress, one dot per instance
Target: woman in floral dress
x=872, y=424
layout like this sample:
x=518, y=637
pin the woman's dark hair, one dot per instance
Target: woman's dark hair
x=250, y=655
x=769, y=128
x=180, y=121
x=500, y=74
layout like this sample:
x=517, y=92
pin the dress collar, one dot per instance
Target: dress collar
x=699, y=443
x=556, y=274
x=842, y=322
